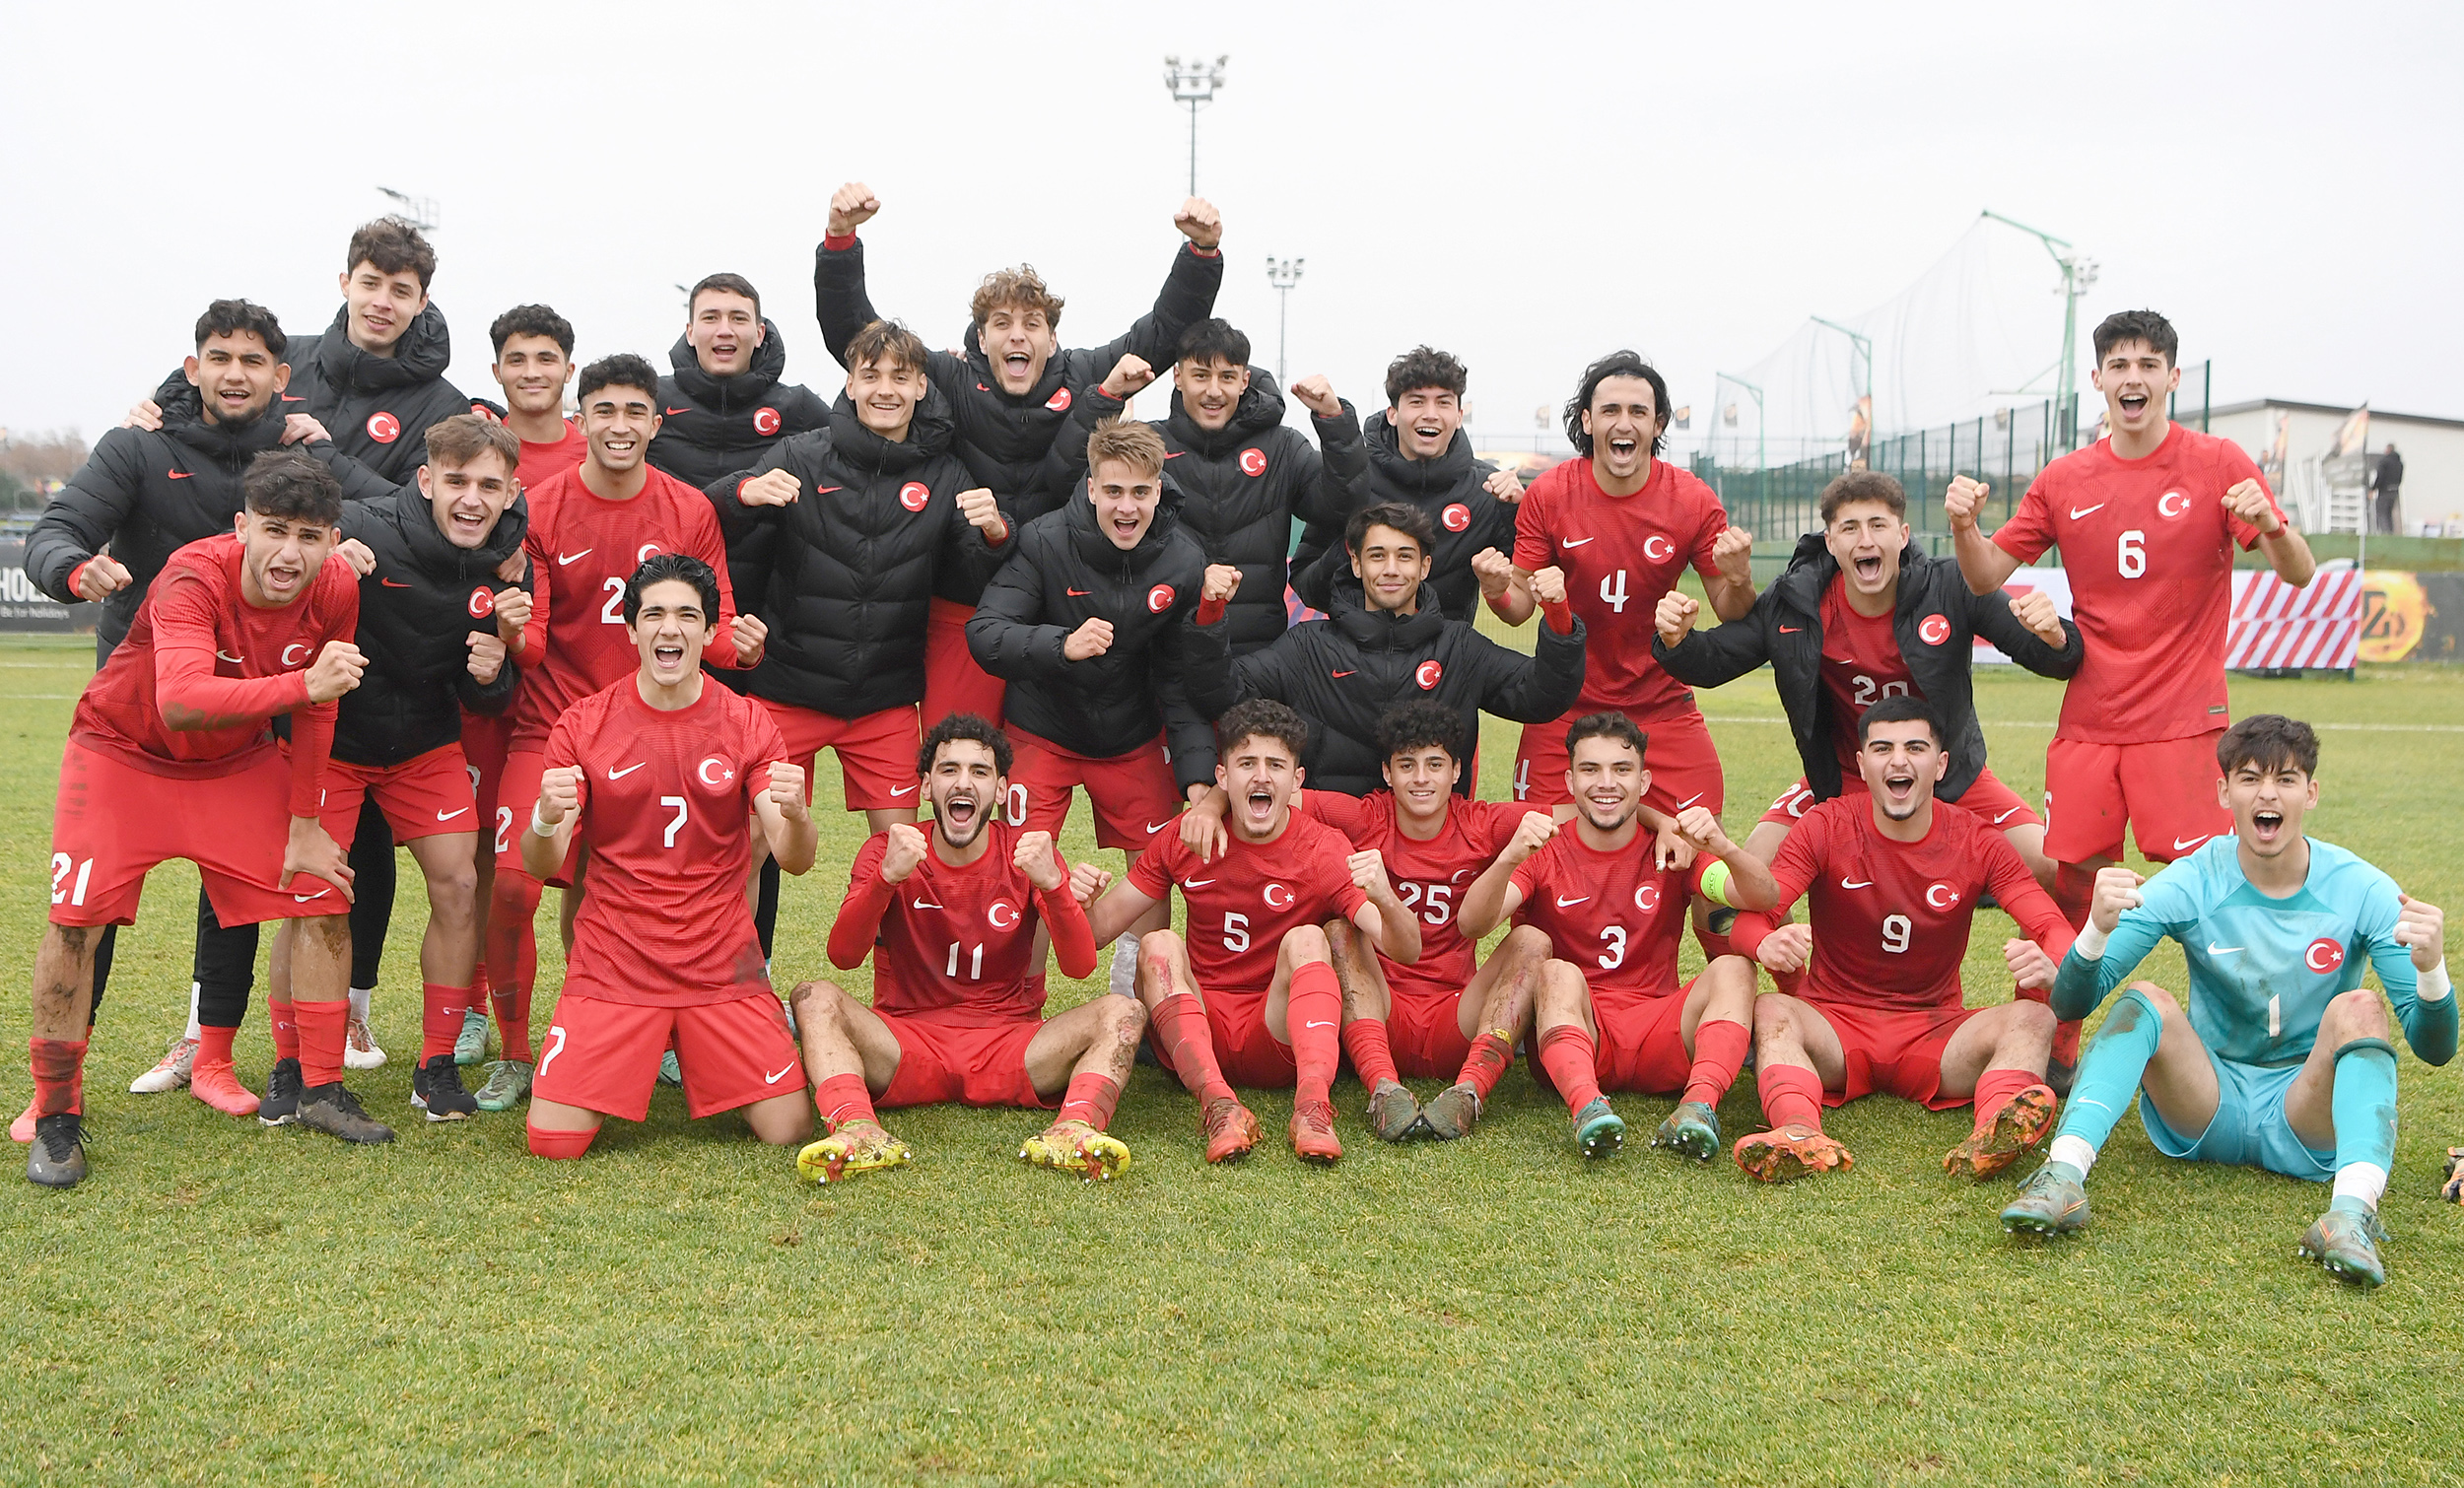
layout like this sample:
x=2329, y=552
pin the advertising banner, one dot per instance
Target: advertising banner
x=25, y=608
x=2274, y=625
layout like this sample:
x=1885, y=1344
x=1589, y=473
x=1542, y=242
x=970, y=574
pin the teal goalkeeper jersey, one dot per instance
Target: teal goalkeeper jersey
x=2262, y=970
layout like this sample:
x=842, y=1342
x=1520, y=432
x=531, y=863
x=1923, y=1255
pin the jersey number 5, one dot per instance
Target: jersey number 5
x=1235, y=932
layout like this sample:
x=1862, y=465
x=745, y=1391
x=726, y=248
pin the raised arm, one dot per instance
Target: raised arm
x=2121, y=931
x=1494, y=896
x=2410, y=956
x=1708, y=659
x=1984, y=562
x=83, y=518
x=1189, y=293
x=788, y=825
x=2028, y=631
x=1383, y=917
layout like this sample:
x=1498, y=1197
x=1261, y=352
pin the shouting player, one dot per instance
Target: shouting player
x=957, y=918
x=2282, y=1059
x=1893, y=878
x=1612, y=1014
x=666, y=776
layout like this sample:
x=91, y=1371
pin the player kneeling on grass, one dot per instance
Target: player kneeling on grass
x=1250, y=995
x=2282, y=1059
x=1893, y=877
x=665, y=774
x=1611, y=1012
x=957, y=915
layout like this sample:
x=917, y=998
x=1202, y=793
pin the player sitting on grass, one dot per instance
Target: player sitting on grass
x=1611, y=1010
x=1893, y=877
x=957, y=915
x=665, y=775
x=1252, y=984
x=2282, y=1061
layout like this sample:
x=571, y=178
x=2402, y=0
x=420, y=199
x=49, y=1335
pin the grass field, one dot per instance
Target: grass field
x=221, y=1303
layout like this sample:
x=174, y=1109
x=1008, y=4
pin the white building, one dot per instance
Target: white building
x=2433, y=451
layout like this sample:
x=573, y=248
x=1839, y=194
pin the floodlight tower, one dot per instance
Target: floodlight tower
x=418, y=211
x=1283, y=274
x=1194, y=83
x=2079, y=275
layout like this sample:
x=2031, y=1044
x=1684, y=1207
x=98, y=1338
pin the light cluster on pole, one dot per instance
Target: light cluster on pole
x=2079, y=275
x=1282, y=273
x=1194, y=83
x=418, y=211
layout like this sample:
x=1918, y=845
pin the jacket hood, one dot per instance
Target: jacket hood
x=421, y=355
x=927, y=434
x=1261, y=408
x=183, y=419
x=725, y=394
x=1097, y=550
x=1374, y=631
x=1427, y=477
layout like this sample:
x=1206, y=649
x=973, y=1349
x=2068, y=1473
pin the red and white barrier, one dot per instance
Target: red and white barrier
x=2273, y=624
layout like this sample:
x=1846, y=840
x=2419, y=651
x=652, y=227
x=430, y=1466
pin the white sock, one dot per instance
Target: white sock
x=2366, y=1181
x=1125, y=965
x=195, y=988
x=359, y=1001
x=2075, y=1151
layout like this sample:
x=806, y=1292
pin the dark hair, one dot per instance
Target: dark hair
x=963, y=729
x=1621, y=364
x=734, y=284
x=2125, y=326
x=1409, y=521
x=885, y=341
x=1213, y=340
x=235, y=317
x=1420, y=724
x=663, y=567
x=1905, y=707
x=1020, y=288
x=1864, y=486
x=292, y=484
x=1261, y=717
x=532, y=320
x=1606, y=725
x=1425, y=366
x=465, y=436
x=393, y=245
x=2271, y=741
x=619, y=370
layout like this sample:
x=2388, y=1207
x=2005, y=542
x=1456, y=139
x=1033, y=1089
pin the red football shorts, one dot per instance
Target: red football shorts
x=1132, y=793
x=485, y=743
x=2165, y=790
x=1898, y=1052
x=953, y=683
x=111, y=821
x=877, y=752
x=519, y=794
x=1642, y=1042
x=1249, y=1054
x=1987, y=795
x=974, y=1064
x=1424, y=1028
x=604, y=1056
x=1684, y=768
x=426, y=795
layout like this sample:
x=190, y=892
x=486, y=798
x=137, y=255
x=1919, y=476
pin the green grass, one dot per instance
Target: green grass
x=221, y=1303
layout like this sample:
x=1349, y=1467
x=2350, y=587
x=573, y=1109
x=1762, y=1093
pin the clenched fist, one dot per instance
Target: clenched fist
x=1494, y=571
x=2249, y=501
x=1088, y=882
x=979, y=508
x=513, y=613
x=1036, y=859
x=850, y=207
x=1092, y=639
x=1702, y=830
x=1317, y=394
x=1368, y=869
x=2035, y=609
x=101, y=577
x=770, y=488
x=1530, y=836
x=335, y=671
x=1200, y=223
x=907, y=849
x=560, y=794
x=1223, y=581
x=1129, y=376
x=1733, y=554
x=1674, y=619
x=1963, y=501
x=1504, y=484
x=1548, y=584
x=487, y=656
x=1787, y=948
x=2117, y=889
x=750, y=636
x=786, y=789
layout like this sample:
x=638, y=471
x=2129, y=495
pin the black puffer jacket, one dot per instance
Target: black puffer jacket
x=1065, y=573
x=1342, y=672
x=376, y=408
x=417, y=610
x=1002, y=439
x=1937, y=623
x=1451, y=490
x=711, y=426
x=844, y=576
x=148, y=493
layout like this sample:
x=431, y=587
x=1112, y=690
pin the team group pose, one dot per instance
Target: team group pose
x=344, y=607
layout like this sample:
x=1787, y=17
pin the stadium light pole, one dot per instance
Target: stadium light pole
x=1194, y=83
x=2079, y=275
x=1282, y=273
x=418, y=211
x=1864, y=345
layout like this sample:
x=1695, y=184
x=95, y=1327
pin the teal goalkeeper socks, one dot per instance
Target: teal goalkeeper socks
x=2109, y=1075
x=2364, y=1103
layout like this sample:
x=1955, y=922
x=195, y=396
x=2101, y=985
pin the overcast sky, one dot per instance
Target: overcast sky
x=1526, y=184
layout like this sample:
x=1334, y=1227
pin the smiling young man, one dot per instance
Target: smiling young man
x=1249, y=995
x=1893, y=877
x=2282, y=1059
x=959, y=917
x=1611, y=1013
x=170, y=755
x=668, y=776
x=1621, y=524
x=534, y=366
x=1009, y=392
x=2147, y=521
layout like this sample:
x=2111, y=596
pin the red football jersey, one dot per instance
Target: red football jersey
x=1429, y=877
x=2148, y=545
x=1861, y=665
x=582, y=551
x=1611, y=914
x=539, y=461
x=1242, y=905
x=957, y=942
x=1890, y=920
x=1620, y=555
x=666, y=807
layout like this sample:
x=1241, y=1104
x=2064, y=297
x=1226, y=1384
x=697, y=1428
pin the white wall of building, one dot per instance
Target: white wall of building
x=2432, y=452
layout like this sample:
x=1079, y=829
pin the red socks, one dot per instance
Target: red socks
x=1364, y=1038
x=441, y=1018
x=1566, y=1052
x=1792, y=1095
x=566, y=1144
x=1179, y=1024
x=322, y=1028
x=59, y=1076
x=2074, y=891
x=842, y=1099
x=1994, y=1090
x=1490, y=1053
x=214, y=1045
x=1091, y=1098
x=513, y=958
x=286, y=1029
x=1718, y=1053
x=1315, y=1007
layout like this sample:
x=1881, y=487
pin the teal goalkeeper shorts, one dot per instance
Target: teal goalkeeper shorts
x=2249, y=1129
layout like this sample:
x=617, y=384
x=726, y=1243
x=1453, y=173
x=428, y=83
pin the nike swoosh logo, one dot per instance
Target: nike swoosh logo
x=901, y=789
x=228, y=657
x=618, y=774
x=1573, y=542
x=180, y=475
x=1562, y=901
x=825, y=490
x=447, y=816
x=2079, y=511
x=923, y=903
x=305, y=898
x=1791, y=630
x=1998, y=820
x=783, y=1071
x=1196, y=882
x=1691, y=799
x=677, y=411
x=1320, y=1024
x=2223, y=950
x=1077, y=594
x=1343, y=674
x=1154, y=827
x=2182, y=844
x=393, y=584
x=563, y=559
x=1846, y=884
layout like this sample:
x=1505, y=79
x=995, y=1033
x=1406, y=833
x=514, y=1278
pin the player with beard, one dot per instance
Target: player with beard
x=957, y=918
x=1893, y=877
x=668, y=776
x=1611, y=1013
x=1250, y=995
x=1010, y=392
x=1622, y=524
